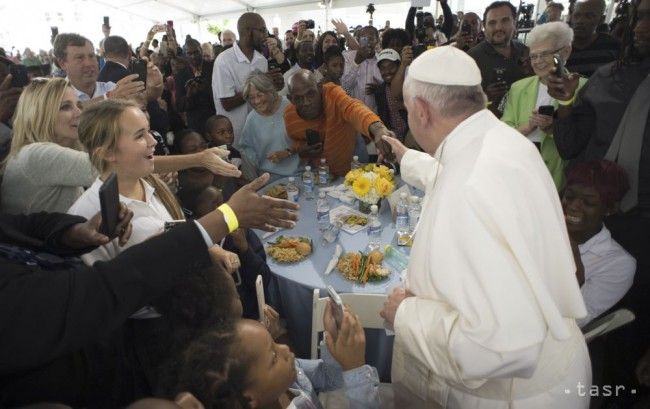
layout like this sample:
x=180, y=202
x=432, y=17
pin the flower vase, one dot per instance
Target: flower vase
x=365, y=207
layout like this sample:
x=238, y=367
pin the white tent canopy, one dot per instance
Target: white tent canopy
x=22, y=26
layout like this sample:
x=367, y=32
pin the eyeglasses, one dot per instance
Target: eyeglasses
x=544, y=55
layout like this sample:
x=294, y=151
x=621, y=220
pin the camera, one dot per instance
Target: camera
x=525, y=13
x=309, y=24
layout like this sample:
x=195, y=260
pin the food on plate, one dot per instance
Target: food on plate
x=288, y=249
x=362, y=268
x=353, y=219
x=278, y=192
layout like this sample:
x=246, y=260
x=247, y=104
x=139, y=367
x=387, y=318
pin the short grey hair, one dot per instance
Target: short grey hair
x=262, y=82
x=306, y=75
x=558, y=32
x=447, y=100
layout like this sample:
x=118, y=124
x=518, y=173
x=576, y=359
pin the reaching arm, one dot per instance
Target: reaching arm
x=448, y=24
x=409, y=25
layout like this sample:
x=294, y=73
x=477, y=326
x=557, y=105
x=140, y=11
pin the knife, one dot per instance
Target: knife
x=334, y=260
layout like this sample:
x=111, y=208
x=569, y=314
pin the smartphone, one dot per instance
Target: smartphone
x=261, y=302
x=139, y=67
x=170, y=23
x=312, y=137
x=559, y=66
x=337, y=306
x=106, y=21
x=466, y=28
x=273, y=65
x=546, y=110
x=19, y=76
x=55, y=31
x=109, y=201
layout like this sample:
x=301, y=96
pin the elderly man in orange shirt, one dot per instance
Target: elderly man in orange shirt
x=323, y=122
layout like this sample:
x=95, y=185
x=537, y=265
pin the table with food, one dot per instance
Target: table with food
x=335, y=248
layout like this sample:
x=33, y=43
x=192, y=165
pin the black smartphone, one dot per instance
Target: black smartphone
x=273, y=65
x=337, y=306
x=312, y=137
x=55, y=31
x=106, y=21
x=170, y=23
x=559, y=66
x=139, y=67
x=109, y=201
x=19, y=76
x=466, y=28
x=546, y=110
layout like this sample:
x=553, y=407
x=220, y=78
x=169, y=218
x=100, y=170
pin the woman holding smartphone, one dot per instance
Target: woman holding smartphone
x=529, y=107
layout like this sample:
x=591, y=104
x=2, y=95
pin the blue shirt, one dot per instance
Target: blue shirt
x=263, y=135
x=321, y=375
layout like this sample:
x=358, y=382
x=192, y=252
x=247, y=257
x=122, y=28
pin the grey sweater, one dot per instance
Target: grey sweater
x=45, y=176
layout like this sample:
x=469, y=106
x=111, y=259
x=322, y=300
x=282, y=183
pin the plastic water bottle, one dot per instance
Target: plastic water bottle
x=308, y=183
x=402, y=220
x=374, y=229
x=355, y=163
x=323, y=212
x=415, y=209
x=323, y=173
x=395, y=258
x=292, y=190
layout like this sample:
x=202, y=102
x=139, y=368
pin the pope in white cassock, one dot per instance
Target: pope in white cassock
x=487, y=319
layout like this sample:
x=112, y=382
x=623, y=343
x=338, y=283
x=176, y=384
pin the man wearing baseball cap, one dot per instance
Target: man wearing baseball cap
x=486, y=318
x=391, y=110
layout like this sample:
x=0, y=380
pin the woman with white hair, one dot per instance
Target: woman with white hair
x=547, y=42
x=264, y=143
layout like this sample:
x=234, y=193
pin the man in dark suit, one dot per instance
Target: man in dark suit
x=58, y=319
x=118, y=55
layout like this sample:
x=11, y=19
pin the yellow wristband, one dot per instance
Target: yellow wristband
x=229, y=217
x=568, y=102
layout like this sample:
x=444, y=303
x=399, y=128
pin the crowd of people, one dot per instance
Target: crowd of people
x=532, y=150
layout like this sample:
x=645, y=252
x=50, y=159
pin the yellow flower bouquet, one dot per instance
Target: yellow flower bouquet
x=370, y=183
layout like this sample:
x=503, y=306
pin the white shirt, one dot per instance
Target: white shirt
x=231, y=68
x=609, y=273
x=149, y=219
x=494, y=277
x=543, y=98
x=101, y=88
x=356, y=76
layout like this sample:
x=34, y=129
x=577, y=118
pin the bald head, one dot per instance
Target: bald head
x=248, y=21
x=306, y=94
x=598, y=5
x=302, y=77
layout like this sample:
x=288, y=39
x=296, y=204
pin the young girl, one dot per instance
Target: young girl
x=117, y=138
x=239, y=366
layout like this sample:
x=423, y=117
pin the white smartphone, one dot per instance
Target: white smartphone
x=261, y=302
x=337, y=309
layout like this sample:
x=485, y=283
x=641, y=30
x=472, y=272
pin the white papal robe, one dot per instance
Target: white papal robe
x=492, y=323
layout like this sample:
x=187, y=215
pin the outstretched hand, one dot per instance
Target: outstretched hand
x=84, y=235
x=262, y=212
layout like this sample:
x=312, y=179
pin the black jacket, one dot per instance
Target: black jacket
x=112, y=71
x=58, y=328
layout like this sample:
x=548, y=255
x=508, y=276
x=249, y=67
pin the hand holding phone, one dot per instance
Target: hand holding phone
x=139, y=67
x=546, y=110
x=337, y=306
x=261, y=302
x=109, y=201
x=559, y=71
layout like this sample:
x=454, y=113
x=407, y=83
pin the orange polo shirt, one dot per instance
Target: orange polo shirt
x=342, y=119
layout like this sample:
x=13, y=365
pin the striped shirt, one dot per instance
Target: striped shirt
x=585, y=61
x=343, y=116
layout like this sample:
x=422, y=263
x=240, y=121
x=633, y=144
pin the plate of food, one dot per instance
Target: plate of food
x=362, y=268
x=278, y=191
x=290, y=249
x=353, y=220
